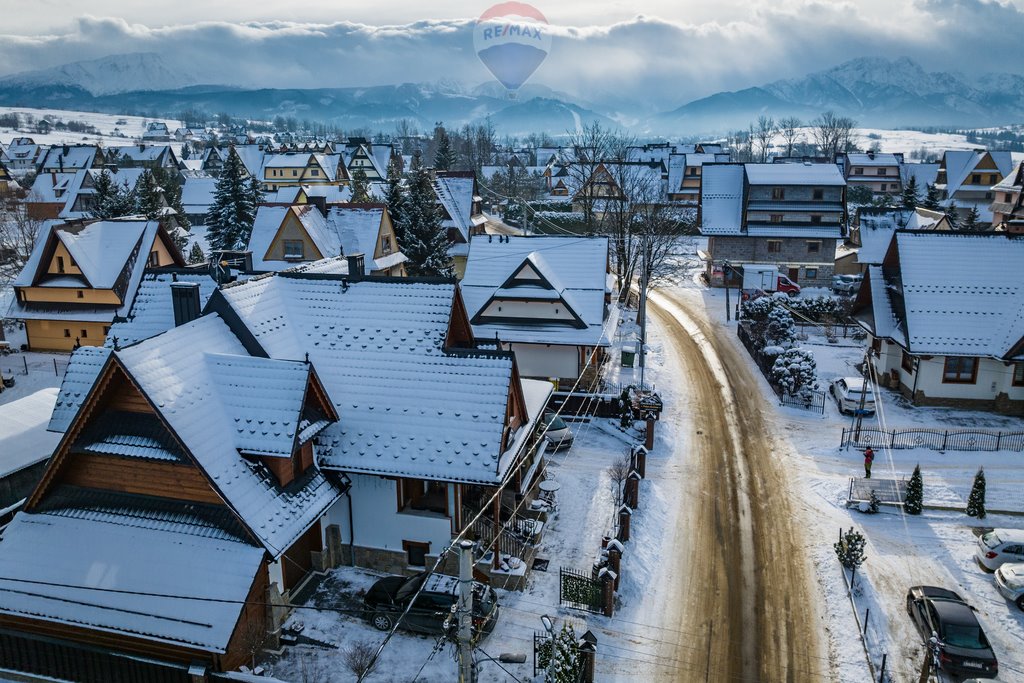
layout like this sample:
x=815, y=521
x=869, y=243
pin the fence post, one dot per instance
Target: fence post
x=615, y=561
x=999, y=439
x=640, y=461
x=607, y=577
x=842, y=439
x=867, y=614
x=25, y=361
x=945, y=437
x=588, y=655
x=881, y=675
x=624, y=514
x=55, y=373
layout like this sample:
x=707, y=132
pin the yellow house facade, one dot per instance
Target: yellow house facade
x=292, y=169
x=84, y=274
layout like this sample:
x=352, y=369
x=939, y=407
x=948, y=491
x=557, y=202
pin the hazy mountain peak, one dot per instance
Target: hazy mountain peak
x=136, y=71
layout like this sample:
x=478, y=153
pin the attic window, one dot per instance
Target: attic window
x=314, y=172
x=294, y=250
x=80, y=294
x=778, y=193
x=1018, y=374
x=154, y=259
x=819, y=193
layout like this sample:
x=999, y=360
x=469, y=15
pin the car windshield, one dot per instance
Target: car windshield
x=991, y=540
x=969, y=637
x=409, y=587
x=555, y=423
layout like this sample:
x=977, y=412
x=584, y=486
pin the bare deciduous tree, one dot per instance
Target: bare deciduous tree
x=359, y=658
x=591, y=145
x=833, y=134
x=789, y=128
x=764, y=131
x=18, y=233
x=617, y=473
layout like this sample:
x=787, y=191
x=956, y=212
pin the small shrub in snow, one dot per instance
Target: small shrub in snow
x=358, y=657
x=873, y=503
x=795, y=372
x=915, y=493
x=566, y=667
x=850, y=550
x=976, y=501
x=779, y=328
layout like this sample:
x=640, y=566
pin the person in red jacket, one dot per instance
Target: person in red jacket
x=869, y=457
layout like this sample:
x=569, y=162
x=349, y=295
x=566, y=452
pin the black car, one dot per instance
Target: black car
x=963, y=649
x=389, y=597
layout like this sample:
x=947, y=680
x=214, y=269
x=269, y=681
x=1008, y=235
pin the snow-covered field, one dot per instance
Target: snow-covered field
x=132, y=128
x=935, y=548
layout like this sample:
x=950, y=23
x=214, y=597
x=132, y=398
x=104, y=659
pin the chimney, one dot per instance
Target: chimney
x=320, y=203
x=871, y=154
x=356, y=267
x=185, y=300
x=65, y=149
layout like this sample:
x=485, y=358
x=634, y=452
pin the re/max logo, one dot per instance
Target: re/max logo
x=512, y=30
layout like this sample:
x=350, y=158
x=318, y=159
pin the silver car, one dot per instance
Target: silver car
x=848, y=391
x=846, y=284
x=558, y=434
x=1010, y=582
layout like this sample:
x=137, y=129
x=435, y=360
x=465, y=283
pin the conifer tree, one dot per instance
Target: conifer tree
x=426, y=239
x=953, y=216
x=915, y=493
x=360, y=187
x=170, y=183
x=909, y=197
x=444, y=156
x=850, y=550
x=229, y=221
x=112, y=200
x=196, y=255
x=976, y=501
x=971, y=222
x=148, y=196
x=931, y=198
x=394, y=197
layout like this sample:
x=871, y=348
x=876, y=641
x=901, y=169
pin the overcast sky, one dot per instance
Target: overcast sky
x=664, y=51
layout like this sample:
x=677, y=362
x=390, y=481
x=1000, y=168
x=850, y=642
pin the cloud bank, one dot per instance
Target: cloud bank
x=659, y=62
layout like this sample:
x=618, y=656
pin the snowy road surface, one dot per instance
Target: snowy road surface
x=746, y=590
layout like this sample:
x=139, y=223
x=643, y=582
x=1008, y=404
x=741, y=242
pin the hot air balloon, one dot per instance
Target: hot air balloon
x=512, y=39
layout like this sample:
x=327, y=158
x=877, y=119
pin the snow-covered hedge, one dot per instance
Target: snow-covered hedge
x=795, y=372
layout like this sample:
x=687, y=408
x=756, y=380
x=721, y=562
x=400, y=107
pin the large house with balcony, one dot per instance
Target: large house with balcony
x=787, y=215
x=301, y=168
x=965, y=180
x=876, y=172
x=1008, y=202
x=948, y=331
x=82, y=275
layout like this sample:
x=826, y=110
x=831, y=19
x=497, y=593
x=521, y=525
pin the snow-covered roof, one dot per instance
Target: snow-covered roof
x=51, y=188
x=83, y=369
x=877, y=227
x=83, y=185
x=794, y=174
x=142, y=153
x=959, y=164
x=101, y=249
x=573, y=270
x=952, y=306
x=1014, y=180
x=456, y=196
x=357, y=228
x=406, y=406
x=107, y=576
x=872, y=159
x=24, y=439
x=722, y=200
x=269, y=220
x=152, y=311
x=68, y=157
x=197, y=194
x=923, y=175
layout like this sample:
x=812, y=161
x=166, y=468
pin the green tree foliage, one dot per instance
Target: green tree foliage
x=444, y=153
x=394, y=198
x=360, y=187
x=426, y=242
x=932, y=197
x=972, y=221
x=229, y=221
x=149, y=199
x=915, y=493
x=909, y=198
x=976, y=501
x=112, y=199
x=196, y=255
x=850, y=550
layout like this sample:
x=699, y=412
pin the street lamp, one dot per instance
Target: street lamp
x=549, y=626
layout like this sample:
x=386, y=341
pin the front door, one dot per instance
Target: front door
x=794, y=274
x=297, y=561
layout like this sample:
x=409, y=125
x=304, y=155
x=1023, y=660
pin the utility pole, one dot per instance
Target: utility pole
x=645, y=276
x=526, y=217
x=863, y=399
x=725, y=281
x=467, y=672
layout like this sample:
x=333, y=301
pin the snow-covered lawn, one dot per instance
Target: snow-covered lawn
x=44, y=369
x=126, y=133
x=934, y=548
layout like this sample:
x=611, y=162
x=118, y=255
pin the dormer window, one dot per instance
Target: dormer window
x=294, y=250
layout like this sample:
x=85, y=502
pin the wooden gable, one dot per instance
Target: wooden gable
x=460, y=332
x=515, y=408
x=116, y=393
x=291, y=228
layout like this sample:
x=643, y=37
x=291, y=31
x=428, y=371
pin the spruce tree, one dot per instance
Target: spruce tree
x=931, y=198
x=112, y=200
x=394, y=198
x=196, y=255
x=170, y=183
x=976, y=501
x=148, y=196
x=953, y=216
x=231, y=216
x=971, y=222
x=909, y=197
x=565, y=668
x=360, y=187
x=426, y=239
x=850, y=550
x=915, y=493
x=444, y=156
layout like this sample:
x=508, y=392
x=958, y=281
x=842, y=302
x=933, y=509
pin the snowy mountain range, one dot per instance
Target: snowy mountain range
x=873, y=90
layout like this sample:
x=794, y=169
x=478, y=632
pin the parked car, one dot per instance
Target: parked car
x=557, y=433
x=1010, y=582
x=1000, y=546
x=846, y=284
x=847, y=393
x=388, y=598
x=963, y=649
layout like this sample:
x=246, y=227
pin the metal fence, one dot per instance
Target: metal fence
x=809, y=400
x=580, y=590
x=936, y=439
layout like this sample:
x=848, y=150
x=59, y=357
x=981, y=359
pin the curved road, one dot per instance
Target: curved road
x=748, y=587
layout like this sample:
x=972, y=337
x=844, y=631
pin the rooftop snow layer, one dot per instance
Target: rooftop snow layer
x=24, y=439
x=722, y=200
x=794, y=174
x=65, y=570
x=152, y=311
